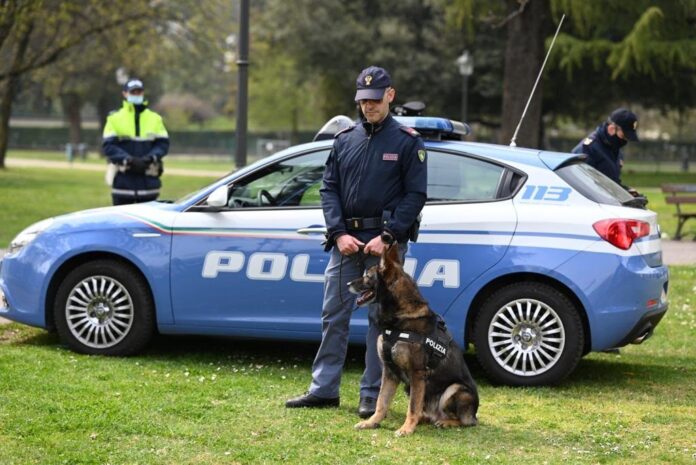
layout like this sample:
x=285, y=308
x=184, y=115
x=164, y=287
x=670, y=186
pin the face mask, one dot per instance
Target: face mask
x=616, y=141
x=135, y=99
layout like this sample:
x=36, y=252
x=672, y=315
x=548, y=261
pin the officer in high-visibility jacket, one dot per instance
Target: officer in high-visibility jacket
x=135, y=141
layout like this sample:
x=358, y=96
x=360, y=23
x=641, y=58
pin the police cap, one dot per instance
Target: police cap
x=627, y=121
x=133, y=83
x=371, y=83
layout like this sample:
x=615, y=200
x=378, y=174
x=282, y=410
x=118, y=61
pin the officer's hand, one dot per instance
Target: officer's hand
x=633, y=192
x=148, y=159
x=137, y=165
x=375, y=246
x=348, y=245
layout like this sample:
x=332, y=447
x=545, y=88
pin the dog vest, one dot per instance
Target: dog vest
x=436, y=344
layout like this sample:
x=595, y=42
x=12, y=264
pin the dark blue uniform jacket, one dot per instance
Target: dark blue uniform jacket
x=373, y=169
x=601, y=154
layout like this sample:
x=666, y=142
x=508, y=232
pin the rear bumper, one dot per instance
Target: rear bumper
x=643, y=330
x=624, y=298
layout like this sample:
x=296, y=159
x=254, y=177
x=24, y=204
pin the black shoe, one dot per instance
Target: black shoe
x=366, y=408
x=311, y=401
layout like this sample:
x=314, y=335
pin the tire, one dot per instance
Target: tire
x=528, y=334
x=104, y=307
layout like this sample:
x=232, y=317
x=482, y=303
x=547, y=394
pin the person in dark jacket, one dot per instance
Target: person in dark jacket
x=374, y=187
x=135, y=141
x=603, y=146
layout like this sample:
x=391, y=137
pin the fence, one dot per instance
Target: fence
x=182, y=142
x=680, y=154
x=652, y=152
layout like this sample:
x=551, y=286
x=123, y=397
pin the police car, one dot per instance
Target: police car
x=533, y=257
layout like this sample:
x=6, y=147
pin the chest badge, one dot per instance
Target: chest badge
x=421, y=155
x=390, y=157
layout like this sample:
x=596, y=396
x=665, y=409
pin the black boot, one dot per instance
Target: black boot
x=366, y=408
x=311, y=401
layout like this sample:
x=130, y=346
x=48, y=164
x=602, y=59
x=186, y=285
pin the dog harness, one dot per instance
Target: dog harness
x=436, y=344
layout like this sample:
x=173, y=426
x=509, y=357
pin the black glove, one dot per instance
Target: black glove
x=149, y=159
x=136, y=165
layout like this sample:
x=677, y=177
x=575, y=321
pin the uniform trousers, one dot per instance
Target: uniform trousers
x=337, y=308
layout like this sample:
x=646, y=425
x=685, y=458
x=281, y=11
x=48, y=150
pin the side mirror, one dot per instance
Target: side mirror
x=218, y=198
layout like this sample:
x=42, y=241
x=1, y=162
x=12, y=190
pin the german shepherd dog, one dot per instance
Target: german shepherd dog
x=443, y=394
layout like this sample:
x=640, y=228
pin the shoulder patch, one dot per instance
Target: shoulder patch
x=348, y=129
x=587, y=141
x=410, y=131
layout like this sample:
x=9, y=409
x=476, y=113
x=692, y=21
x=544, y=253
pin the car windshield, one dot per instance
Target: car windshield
x=594, y=185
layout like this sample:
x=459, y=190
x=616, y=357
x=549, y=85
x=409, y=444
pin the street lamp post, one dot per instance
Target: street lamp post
x=466, y=69
x=240, y=157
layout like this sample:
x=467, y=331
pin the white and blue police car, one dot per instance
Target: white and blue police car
x=533, y=256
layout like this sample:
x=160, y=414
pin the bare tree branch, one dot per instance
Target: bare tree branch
x=513, y=15
x=53, y=55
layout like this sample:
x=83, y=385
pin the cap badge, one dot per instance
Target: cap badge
x=635, y=125
x=368, y=80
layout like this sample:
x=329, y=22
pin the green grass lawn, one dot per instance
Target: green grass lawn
x=220, y=401
x=28, y=195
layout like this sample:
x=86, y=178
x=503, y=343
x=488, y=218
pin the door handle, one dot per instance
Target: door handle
x=312, y=230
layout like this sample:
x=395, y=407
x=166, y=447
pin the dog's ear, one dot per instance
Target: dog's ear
x=390, y=257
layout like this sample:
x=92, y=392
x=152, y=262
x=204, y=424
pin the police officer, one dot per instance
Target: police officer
x=603, y=146
x=374, y=187
x=135, y=141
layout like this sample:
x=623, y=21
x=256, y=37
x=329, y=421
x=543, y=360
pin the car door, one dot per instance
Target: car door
x=467, y=225
x=253, y=268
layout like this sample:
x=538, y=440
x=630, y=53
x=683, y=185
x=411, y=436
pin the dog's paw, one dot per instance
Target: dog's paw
x=404, y=431
x=366, y=424
x=447, y=423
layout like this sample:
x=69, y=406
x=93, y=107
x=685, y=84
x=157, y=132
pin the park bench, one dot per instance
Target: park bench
x=682, y=196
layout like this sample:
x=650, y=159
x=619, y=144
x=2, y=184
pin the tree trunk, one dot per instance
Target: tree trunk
x=295, y=125
x=524, y=54
x=72, y=104
x=8, y=89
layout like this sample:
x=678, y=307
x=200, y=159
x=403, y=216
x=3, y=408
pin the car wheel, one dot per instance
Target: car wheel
x=104, y=308
x=528, y=334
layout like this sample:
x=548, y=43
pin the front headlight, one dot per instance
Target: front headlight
x=28, y=235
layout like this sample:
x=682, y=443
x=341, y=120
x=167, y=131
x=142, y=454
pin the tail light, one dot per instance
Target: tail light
x=621, y=232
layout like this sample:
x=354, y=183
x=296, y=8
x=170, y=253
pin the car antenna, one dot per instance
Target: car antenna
x=514, y=136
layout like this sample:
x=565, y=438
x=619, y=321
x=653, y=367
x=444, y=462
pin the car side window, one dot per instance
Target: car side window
x=292, y=182
x=453, y=177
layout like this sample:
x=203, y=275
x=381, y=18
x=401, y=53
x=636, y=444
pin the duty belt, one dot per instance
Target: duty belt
x=364, y=223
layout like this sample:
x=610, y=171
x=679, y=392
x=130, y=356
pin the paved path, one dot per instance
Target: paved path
x=33, y=163
x=674, y=253
x=679, y=252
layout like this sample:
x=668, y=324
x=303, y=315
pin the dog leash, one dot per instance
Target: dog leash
x=360, y=261
x=387, y=238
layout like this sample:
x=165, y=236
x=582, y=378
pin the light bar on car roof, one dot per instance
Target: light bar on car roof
x=436, y=128
x=430, y=127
